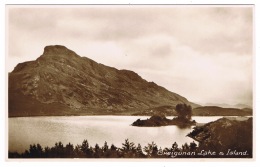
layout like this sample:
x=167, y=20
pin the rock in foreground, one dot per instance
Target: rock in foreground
x=232, y=136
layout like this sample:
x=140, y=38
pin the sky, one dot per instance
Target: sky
x=204, y=53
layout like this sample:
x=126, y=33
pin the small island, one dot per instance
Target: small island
x=183, y=119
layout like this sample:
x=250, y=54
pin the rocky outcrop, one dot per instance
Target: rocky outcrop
x=227, y=135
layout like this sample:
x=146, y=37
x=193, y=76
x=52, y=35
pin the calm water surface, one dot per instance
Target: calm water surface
x=96, y=129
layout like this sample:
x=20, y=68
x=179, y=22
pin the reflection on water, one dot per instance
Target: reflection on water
x=96, y=129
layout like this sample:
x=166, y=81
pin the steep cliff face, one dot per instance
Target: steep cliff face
x=60, y=82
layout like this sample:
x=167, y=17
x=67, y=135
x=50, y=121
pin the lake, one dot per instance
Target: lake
x=46, y=131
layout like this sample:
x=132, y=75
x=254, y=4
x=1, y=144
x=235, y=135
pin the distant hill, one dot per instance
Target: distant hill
x=224, y=105
x=219, y=111
x=198, y=111
x=60, y=82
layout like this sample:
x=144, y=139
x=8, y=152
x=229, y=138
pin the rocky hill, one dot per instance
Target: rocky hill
x=60, y=82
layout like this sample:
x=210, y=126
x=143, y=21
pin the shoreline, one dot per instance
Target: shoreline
x=125, y=115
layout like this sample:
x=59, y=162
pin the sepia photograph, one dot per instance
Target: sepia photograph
x=130, y=82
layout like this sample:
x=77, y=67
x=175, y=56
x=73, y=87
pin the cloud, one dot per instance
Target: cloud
x=202, y=28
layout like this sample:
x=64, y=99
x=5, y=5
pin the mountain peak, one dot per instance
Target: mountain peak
x=60, y=82
x=57, y=50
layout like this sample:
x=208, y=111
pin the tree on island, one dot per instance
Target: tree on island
x=184, y=111
x=183, y=119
